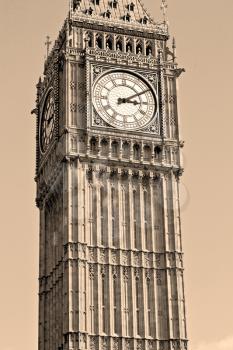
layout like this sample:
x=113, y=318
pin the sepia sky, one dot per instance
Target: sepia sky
x=203, y=31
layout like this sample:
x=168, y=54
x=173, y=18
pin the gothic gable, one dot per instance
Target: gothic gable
x=127, y=11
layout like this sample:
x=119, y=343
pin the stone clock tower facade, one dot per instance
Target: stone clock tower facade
x=108, y=170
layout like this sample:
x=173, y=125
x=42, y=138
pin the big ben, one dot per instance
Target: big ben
x=108, y=169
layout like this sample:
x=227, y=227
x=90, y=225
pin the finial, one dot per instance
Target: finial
x=47, y=44
x=174, y=43
x=164, y=7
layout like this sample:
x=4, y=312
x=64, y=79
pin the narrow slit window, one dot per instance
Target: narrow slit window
x=135, y=218
x=103, y=306
x=115, y=304
x=102, y=214
x=137, y=305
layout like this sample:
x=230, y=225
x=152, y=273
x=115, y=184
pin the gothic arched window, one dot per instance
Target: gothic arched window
x=125, y=150
x=89, y=11
x=158, y=152
x=109, y=43
x=104, y=147
x=131, y=6
x=144, y=20
x=127, y=18
x=115, y=149
x=89, y=39
x=99, y=41
x=114, y=4
x=147, y=153
x=107, y=14
x=139, y=47
x=94, y=145
x=129, y=46
x=149, y=48
x=136, y=152
x=76, y=3
x=119, y=44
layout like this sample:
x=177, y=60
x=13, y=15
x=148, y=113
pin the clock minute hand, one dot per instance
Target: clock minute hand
x=136, y=95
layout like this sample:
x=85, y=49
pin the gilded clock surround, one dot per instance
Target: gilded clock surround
x=109, y=198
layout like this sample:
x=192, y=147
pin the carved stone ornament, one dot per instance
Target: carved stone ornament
x=102, y=255
x=91, y=254
x=92, y=271
x=137, y=273
x=81, y=86
x=126, y=274
x=158, y=278
x=139, y=345
x=124, y=258
x=73, y=107
x=98, y=121
x=92, y=343
x=73, y=85
x=81, y=108
x=158, y=260
x=149, y=345
x=127, y=344
x=148, y=275
x=97, y=71
x=114, y=272
x=103, y=271
x=115, y=344
x=104, y=343
x=114, y=257
x=136, y=259
x=153, y=128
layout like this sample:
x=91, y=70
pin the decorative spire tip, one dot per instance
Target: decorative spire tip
x=47, y=44
x=164, y=7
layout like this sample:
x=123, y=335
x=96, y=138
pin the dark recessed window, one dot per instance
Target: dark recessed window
x=107, y=14
x=127, y=17
x=114, y=4
x=89, y=11
x=144, y=20
x=131, y=6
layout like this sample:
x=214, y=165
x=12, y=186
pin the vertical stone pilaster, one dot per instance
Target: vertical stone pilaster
x=166, y=237
x=152, y=221
x=162, y=95
x=141, y=210
x=131, y=219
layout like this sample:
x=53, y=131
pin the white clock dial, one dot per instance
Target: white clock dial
x=47, y=123
x=124, y=100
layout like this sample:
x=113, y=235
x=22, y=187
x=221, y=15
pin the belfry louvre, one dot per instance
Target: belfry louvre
x=108, y=171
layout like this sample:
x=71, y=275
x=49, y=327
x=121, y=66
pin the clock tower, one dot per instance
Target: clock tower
x=108, y=170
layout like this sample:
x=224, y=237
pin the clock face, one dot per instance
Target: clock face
x=47, y=122
x=124, y=100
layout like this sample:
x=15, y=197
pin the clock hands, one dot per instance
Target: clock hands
x=49, y=120
x=128, y=99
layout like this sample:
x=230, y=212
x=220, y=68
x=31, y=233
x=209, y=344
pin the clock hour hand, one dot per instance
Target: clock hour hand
x=123, y=100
